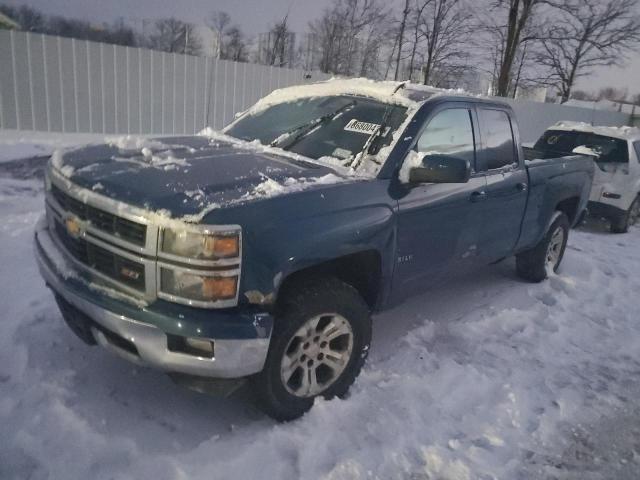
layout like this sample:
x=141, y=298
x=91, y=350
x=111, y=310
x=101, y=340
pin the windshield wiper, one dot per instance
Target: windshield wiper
x=307, y=127
x=377, y=135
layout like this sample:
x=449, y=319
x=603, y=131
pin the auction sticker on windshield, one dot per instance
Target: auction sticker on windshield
x=361, y=127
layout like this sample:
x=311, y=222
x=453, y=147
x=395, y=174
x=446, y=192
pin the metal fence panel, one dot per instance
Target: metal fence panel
x=8, y=117
x=58, y=84
x=20, y=64
x=121, y=107
x=81, y=85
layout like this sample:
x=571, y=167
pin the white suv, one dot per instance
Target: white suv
x=616, y=184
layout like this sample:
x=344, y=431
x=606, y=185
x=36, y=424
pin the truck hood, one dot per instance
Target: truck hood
x=187, y=176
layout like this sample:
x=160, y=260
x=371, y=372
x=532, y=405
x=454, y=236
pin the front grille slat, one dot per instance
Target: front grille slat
x=122, y=228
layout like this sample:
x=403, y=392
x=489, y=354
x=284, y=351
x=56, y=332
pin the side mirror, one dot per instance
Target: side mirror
x=438, y=168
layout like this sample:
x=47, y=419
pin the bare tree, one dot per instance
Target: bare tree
x=446, y=30
x=613, y=94
x=350, y=34
x=218, y=21
x=234, y=45
x=175, y=36
x=400, y=40
x=277, y=45
x=417, y=32
x=230, y=43
x=509, y=24
x=591, y=33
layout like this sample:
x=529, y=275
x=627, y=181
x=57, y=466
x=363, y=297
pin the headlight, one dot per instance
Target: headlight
x=195, y=287
x=201, y=245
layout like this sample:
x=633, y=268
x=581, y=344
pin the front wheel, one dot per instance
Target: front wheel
x=536, y=264
x=319, y=344
x=632, y=217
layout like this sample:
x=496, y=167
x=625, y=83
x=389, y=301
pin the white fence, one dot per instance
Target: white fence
x=65, y=85
x=535, y=117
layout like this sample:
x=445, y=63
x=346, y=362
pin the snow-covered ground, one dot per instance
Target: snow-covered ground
x=486, y=377
x=19, y=144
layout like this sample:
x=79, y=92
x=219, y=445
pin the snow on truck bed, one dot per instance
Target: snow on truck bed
x=485, y=377
x=623, y=133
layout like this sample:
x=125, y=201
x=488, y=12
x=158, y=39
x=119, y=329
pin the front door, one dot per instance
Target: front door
x=438, y=224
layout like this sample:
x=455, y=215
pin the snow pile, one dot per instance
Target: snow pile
x=624, y=133
x=57, y=161
x=584, y=150
x=412, y=160
x=382, y=91
x=135, y=142
x=272, y=188
x=20, y=144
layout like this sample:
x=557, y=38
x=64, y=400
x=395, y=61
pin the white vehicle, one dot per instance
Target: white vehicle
x=616, y=184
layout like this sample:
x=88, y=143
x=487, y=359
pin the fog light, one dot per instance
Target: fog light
x=199, y=347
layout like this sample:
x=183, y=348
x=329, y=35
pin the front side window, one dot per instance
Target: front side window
x=449, y=132
x=636, y=145
x=499, y=147
x=328, y=126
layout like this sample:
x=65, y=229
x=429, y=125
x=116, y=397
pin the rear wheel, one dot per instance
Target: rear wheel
x=632, y=217
x=320, y=341
x=536, y=264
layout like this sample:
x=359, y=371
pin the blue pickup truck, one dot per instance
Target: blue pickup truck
x=260, y=253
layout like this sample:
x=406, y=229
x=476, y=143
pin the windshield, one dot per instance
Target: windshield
x=329, y=126
x=556, y=143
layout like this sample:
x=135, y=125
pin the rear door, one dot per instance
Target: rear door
x=438, y=224
x=505, y=203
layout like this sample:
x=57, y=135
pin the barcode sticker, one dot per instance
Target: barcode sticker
x=361, y=127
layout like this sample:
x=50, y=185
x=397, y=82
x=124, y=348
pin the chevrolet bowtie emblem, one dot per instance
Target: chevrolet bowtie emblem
x=74, y=228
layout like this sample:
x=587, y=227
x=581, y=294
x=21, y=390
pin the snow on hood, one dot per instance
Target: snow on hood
x=185, y=178
x=623, y=133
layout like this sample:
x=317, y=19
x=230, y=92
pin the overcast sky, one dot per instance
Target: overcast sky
x=255, y=16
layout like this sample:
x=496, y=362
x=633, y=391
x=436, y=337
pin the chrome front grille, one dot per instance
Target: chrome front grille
x=107, y=222
x=112, y=265
x=116, y=244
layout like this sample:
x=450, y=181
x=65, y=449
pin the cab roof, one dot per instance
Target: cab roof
x=401, y=93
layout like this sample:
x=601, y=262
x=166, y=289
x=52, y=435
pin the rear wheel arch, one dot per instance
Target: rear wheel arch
x=569, y=206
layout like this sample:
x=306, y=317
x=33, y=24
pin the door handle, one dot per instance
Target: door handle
x=478, y=196
x=521, y=187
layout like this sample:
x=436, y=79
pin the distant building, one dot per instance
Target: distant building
x=7, y=23
x=533, y=94
x=605, y=104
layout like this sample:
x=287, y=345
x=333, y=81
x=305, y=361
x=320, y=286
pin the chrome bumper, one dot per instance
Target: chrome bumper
x=233, y=358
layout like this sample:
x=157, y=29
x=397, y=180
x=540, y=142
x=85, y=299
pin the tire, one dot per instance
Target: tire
x=279, y=388
x=631, y=217
x=535, y=265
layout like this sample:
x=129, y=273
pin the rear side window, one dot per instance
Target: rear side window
x=556, y=143
x=449, y=132
x=499, y=147
x=636, y=145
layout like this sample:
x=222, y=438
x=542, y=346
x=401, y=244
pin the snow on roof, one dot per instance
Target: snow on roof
x=623, y=133
x=400, y=93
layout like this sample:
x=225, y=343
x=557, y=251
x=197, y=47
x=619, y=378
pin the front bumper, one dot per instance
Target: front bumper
x=240, y=338
x=604, y=210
